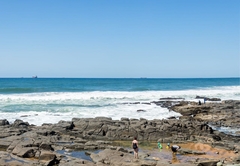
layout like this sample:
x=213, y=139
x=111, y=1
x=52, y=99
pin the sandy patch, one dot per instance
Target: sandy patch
x=167, y=155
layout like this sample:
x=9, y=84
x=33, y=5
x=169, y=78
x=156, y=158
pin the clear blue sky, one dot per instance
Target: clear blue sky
x=120, y=38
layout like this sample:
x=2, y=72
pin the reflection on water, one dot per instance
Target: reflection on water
x=174, y=158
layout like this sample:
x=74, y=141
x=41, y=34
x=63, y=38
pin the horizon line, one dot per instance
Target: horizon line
x=128, y=77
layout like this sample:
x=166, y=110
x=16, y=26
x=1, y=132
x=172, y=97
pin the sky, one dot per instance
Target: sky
x=120, y=38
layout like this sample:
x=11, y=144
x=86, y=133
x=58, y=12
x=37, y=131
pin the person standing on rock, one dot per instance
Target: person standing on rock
x=135, y=147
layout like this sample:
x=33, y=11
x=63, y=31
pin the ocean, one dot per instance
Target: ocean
x=49, y=100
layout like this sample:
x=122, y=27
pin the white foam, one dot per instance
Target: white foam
x=38, y=118
x=52, y=107
x=227, y=130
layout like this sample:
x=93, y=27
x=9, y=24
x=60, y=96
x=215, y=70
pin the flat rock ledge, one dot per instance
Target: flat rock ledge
x=25, y=144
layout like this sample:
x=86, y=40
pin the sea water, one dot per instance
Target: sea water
x=49, y=100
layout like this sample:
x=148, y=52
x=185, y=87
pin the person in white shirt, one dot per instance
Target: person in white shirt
x=175, y=148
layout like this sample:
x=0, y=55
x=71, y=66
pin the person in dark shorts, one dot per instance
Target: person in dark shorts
x=135, y=147
x=175, y=148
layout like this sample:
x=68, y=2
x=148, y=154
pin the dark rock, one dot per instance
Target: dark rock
x=171, y=98
x=46, y=146
x=124, y=119
x=146, y=103
x=23, y=140
x=172, y=117
x=216, y=138
x=208, y=99
x=27, y=152
x=20, y=123
x=4, y=122
x=141, y=110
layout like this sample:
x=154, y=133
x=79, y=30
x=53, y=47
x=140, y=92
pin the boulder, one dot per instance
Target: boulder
x=27, y=152
x=46, y=146
x=20, y=123
x=4, y=122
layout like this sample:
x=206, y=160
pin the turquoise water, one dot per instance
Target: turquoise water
x=49, y=100
x=29, y=85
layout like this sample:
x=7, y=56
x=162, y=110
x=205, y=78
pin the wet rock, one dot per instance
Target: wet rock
x=171, y=98
x=141, y=110
x=188, y=151
x=208, y=163
x=172, y=117
x=224, y=114
x=208, y=99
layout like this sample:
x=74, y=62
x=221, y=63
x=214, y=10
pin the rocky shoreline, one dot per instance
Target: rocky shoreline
x=25, y=144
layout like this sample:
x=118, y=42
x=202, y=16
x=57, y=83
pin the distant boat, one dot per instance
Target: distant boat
x=34, y=77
